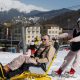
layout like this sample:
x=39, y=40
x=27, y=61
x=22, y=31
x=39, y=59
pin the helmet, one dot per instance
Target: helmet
x=78, y=20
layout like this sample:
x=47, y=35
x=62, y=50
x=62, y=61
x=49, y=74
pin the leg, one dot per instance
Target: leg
x=14, y=65
x=76, y=63
x=66, y=62
x=17, y=62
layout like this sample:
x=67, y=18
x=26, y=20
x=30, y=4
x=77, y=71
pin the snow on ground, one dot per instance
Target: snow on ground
x=6, y=57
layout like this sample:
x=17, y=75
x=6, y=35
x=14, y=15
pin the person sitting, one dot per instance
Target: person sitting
x=33, y=47
x=37, y=41
x=44, y=54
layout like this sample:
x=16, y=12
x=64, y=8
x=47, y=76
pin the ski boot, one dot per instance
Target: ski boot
x=2, y=73
x=57, y=73
x=70, y=73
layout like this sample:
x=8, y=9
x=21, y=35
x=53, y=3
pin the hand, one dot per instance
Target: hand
x=36, y=58
x=33, y=60
x=28, y=53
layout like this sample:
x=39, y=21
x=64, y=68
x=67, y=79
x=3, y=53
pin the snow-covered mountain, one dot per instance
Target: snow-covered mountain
x=6, y=5
x=8, y=15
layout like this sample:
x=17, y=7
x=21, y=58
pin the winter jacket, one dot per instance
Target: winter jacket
x=45, y=53
x=75, y=46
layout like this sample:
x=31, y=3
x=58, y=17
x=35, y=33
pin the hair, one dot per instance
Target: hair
x=46, y=35
x=78, y=24
x=53, y=39
x=78, y=21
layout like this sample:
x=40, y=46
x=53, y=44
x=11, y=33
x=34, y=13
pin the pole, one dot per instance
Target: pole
x=24, y=39
x=11, y=40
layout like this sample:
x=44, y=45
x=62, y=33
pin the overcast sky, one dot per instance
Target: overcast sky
x=42, y=5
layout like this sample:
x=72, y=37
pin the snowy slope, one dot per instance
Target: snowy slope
x=6, y=57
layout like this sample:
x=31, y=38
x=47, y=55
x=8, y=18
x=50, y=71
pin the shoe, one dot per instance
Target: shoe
x=54, y=73
x=16, y=72
x=72, y=71
x=2, y=72
x=59, y=71
x=67, y=75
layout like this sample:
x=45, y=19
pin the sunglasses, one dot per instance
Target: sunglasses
x=43, y=39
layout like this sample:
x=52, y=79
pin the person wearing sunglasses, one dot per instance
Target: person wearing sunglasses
x=43, y=55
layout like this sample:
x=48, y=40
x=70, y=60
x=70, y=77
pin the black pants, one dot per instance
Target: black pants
x=25, y=67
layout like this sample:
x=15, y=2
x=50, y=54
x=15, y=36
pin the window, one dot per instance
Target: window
x=49, y=31
x=53, y=32
x=28, y=41
x=32, y=36
x=29, y=32
x=28, y=36
x=37, y=31
x=33, y=32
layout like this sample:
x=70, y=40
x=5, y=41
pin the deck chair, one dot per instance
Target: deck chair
x=33, y=75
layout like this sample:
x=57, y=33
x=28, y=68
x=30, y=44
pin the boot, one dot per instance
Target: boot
x=72, y=71
x=59, y=71
x=2, y=72
x=17, y=71
x=13, y=73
